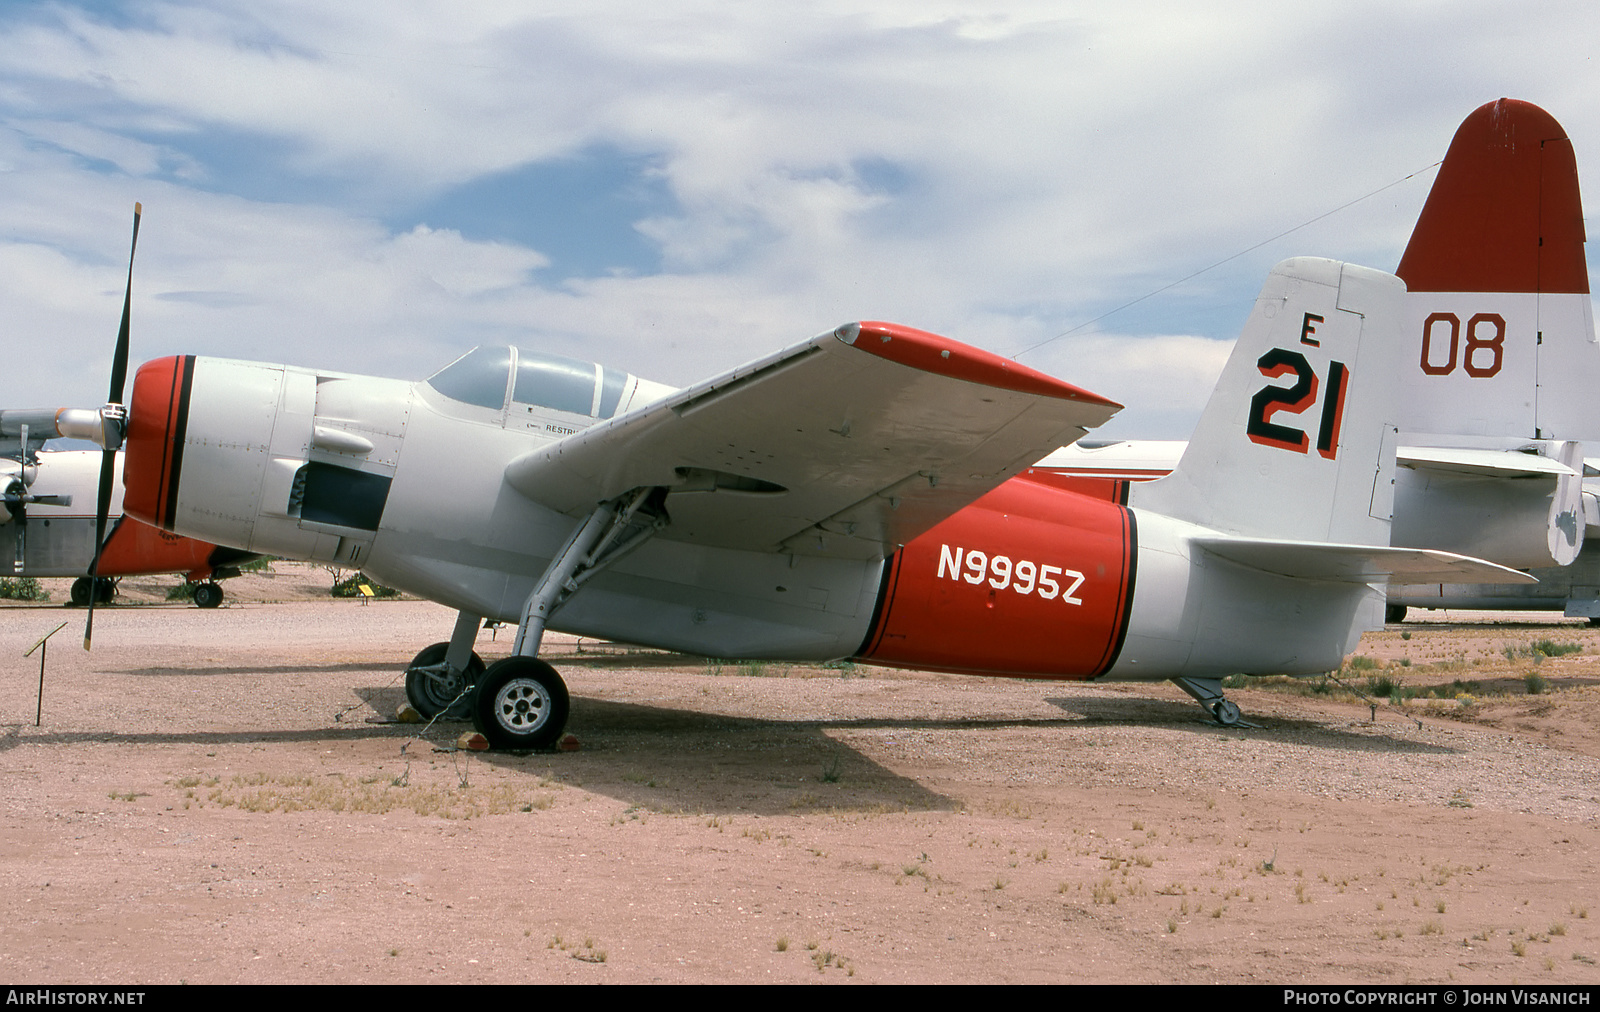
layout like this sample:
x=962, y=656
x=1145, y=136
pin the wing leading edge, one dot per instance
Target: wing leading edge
x=846, y=445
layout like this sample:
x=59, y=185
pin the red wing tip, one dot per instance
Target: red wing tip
x=932, y=353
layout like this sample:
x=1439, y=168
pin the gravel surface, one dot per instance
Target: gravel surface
x=221, y=796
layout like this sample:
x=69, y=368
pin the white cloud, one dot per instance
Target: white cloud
x=1050, y=162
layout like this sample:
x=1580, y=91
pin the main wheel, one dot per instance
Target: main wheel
x=431, y=695
x=521, y=703
x=207, y=595
x=1394, y=613
x=83, y=586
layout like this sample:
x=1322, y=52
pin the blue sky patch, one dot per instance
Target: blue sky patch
x=248, y=164
x=881, y=175
x=578, y=211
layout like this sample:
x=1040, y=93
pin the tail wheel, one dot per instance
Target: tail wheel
x=1226, y=713
x=431, y=694
x=521, y=704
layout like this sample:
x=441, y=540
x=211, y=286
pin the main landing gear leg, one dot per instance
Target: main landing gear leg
x=1208, y=693
x=439, y=680
x=521, y=702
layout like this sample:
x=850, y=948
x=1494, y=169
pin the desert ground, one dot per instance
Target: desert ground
x=223, y=796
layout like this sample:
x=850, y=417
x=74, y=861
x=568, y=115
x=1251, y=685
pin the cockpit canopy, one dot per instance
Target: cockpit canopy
x=490, y=377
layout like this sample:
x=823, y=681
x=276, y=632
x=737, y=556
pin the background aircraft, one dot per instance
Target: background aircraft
x=1501, y=357
x=48, y=514
x=852, y=495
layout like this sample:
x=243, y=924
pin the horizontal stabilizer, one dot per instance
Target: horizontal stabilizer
x=846, y=445
x=1312, y=560
x=1487, y=463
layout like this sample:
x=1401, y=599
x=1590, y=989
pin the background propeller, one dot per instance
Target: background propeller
x=18, y=494
x=114, y=423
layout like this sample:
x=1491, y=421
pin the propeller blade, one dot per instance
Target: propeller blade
x=108, y=467
x=119, y=360
x=108, y=459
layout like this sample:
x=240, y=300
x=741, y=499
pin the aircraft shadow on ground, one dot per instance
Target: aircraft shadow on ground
x=13, y=735
x=1134, y=710
x=258, y=669
x=670, y=760
x=675, y=761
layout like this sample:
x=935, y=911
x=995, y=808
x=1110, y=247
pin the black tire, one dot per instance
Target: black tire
x=431, y=699
x=1394, y=614
x=207, y=595
x=521, y=704
x=80, y=590
x=1226, y=712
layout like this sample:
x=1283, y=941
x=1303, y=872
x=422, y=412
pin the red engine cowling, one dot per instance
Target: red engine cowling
x=158, y=415
x=1030, y=580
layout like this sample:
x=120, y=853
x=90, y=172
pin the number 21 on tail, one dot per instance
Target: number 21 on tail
x=1297, y=399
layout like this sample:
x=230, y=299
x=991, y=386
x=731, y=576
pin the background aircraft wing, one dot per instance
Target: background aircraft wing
x=845, y=445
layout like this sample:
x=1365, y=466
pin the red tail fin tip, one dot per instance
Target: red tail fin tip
x=1504, y=214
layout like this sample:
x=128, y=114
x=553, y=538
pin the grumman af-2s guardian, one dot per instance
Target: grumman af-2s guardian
x=855, y=495
x=1497, y=377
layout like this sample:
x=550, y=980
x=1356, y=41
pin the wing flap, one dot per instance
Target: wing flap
x=1312, y=560
x=848, y=444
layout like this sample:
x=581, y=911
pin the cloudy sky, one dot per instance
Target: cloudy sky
x=674, y=187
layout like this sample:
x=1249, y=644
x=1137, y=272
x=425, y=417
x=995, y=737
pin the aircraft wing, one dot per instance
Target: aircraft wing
x=849, y=444
x=1314, y=560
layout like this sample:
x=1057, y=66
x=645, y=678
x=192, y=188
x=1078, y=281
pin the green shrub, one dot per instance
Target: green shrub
x=1383, y=686
x=352, y=587
x=1550, y=648
x=1540, y=649
x=22, y=588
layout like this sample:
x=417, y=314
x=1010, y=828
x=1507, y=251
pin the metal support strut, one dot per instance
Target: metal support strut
x=451, y=674
x=462, y=639
x=603, y=537
x=1208, y=693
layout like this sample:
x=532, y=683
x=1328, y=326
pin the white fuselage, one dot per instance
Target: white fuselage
x=451, y=528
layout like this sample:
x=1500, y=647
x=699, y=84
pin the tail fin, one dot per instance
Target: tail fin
x=1297, y=441
x=1499, y=327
